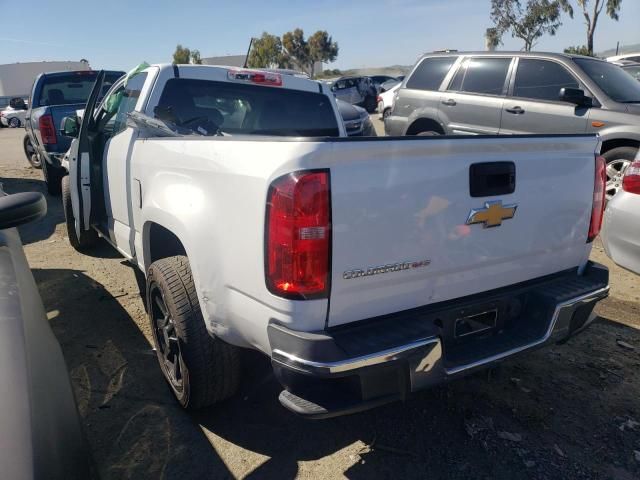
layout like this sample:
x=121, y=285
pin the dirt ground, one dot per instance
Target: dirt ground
x=569, y=411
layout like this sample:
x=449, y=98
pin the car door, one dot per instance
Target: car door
x=533, y=104
x=473, y=101
x=118, y=147
x=81, y=159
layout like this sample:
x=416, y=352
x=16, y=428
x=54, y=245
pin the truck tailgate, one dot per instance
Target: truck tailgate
x=400, y=209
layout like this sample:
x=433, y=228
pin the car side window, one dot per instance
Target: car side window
x=542, y=79
x=130, y=96
x=430, y=73
x=481, y=75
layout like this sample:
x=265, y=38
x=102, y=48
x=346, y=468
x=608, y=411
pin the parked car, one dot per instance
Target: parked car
x=379, y=80
x=13, y=117
x=509, y=93
x=632, y=69
x=621, y=228
x=356, y=120
x=360, y=91
x=385, y=101
x=437, y=256
x=40, y=427
x=628, y=57
x=55, y=95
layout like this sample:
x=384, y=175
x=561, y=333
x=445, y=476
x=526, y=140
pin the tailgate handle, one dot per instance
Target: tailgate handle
x=492, y=178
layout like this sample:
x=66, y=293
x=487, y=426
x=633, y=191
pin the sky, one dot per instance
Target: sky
x=119, y=34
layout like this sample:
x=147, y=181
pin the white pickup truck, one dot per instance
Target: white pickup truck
x=365, y=268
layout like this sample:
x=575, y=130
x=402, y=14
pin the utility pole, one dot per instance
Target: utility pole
x=246, y=59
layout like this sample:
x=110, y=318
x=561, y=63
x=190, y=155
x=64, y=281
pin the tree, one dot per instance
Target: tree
x=305, y=53
x=493, y=38
x=267, y=52
x=183, y=55
x=322, y=48
x=591, y=16
x=529, y=22
x=578, y=50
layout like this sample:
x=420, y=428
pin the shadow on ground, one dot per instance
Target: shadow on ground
x=554, y=413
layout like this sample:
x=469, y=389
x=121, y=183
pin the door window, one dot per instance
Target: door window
x=430, y=73
x=485, y=76
x=542, y=79
x=130, y=95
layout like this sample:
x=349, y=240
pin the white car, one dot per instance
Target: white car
x=628, y=57
x=621, y=228
x=13, y=117
x=386, y=100
x=364, y=268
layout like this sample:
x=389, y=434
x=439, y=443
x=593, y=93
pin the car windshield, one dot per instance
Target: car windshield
x=209, y=107
x=613, y=80
x=73, y=87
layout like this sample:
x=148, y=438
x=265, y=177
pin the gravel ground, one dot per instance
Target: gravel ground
x=568, y=411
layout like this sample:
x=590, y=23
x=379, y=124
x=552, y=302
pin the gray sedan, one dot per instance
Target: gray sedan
x=621, y=228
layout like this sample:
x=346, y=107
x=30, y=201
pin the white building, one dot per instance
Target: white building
x=16, y=79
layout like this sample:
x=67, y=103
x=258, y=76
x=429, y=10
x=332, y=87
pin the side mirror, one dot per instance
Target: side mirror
x=21, y=208
x=69, y=127
x=575, y=96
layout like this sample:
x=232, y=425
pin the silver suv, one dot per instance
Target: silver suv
x=491, y=93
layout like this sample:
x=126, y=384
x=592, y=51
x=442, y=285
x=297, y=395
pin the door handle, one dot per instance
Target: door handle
x=450, y=103
x=516, y=110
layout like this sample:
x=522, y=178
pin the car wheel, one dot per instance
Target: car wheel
x=386, y=113
x=30, y=152
x=200, y=369
x=429, y=133
x=53, y=178
x=618, y=160
x=14, y=122
x=88, y=238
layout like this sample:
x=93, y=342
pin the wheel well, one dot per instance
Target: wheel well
x=619, y=142
x=424, y=125
x=163, y=243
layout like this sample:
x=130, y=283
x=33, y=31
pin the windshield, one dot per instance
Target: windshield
x=210, y=107
x=73, y=87
x=615, y=82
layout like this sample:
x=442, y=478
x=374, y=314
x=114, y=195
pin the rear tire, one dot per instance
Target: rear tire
x=14, y=122
x=200, y=369
x=386, y=113
x=53, y=178
x=618, y=159
x=87, y=238
x=30, y=153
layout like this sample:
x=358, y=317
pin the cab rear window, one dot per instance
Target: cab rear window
x=72, y=88
x=246, y=109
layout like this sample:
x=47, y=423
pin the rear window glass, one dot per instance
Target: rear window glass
x=72, y=87
x=430, y=73
x=236, y=108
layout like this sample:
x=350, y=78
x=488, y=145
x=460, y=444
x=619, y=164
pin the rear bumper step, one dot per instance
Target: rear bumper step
x=360, y=366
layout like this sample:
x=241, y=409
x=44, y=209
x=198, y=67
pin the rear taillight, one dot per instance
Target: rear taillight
x=298, y=235
x=379, y=99
x=631, y=179
x=597, y=209
x=47, y=130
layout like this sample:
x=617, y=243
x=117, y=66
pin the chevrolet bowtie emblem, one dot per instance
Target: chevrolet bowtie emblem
x=492, y=214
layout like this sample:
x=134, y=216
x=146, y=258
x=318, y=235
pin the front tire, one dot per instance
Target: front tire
x=618, y=160
x=88, y=238
x=200, y=369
